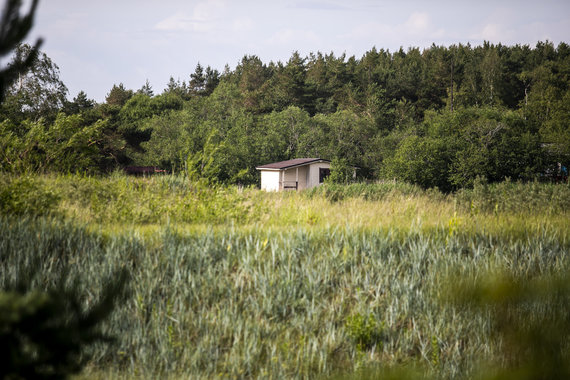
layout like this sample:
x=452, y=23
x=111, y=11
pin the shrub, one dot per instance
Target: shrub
x=364, y=331
x=25, y=195
x=341, y=171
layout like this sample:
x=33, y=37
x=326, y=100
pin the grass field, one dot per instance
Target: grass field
x=351, y=281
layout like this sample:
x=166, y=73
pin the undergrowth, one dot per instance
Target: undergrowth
x=123, y=202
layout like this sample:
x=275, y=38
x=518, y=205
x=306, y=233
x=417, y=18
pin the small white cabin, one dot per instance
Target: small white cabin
x=296, y=174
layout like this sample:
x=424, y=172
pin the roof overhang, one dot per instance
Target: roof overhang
x=291, y=164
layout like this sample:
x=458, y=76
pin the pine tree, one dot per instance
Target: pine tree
x=118, y=95
x=146, y=89
x=198, y=80
x=212, y=80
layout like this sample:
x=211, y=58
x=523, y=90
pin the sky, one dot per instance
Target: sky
x=97, y=44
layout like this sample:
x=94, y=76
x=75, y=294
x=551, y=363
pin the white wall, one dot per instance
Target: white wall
x=270, y=180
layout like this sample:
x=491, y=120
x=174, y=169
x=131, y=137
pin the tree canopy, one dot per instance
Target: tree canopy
x=438, y=117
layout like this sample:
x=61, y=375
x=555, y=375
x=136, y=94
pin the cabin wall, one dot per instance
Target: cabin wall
x=313, y=177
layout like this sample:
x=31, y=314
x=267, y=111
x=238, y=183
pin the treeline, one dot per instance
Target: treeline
x=438, y=117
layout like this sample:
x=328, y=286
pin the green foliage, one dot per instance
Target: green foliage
x=133, y=117
x=183, y=199
x=368, y=191
x=282, y=304
x=284, y=135
x=24, y=196
x=454, y=148
x=437, y=118
x=80, y=104
x=529, y=317
x=514, y=197
x=555, y=132
x=172, y=141
x=161, y=200
x=364, y=331
x=244, y=284
x=239, y=282
x=39, y=92
x=146, y=89
x=341, y=171
x=422, y=161
x=203, y=82
x=118, y=95
x=47, y=325
x=395, y=372
x=66, y=146
x=344, y=135
x=14, y=30
x=44, y=334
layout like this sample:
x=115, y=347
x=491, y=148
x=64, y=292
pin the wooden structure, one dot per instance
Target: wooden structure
x=296, y=174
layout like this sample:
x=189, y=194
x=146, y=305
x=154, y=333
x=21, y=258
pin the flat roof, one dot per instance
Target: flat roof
x=290, y=163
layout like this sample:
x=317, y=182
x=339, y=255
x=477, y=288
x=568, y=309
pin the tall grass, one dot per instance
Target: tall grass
x=229, y=282
x=283, y=304
x=120, y=202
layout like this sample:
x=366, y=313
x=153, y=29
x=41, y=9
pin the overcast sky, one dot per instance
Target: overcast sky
x=100, y=43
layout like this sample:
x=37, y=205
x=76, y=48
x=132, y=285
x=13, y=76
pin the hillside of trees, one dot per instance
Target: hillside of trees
x=437, y=117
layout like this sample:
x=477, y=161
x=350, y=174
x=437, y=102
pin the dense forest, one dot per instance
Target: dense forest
x=438, y=117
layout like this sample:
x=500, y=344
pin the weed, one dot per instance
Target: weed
x=364, y=331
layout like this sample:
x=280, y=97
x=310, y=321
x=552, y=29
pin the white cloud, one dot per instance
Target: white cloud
x=495, y=33
x=209, y=9
x=491, y=32
x=206, y=17
x=418, y=23
x=417, y=29
x=321, y=5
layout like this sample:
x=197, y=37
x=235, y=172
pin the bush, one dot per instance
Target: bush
x=364, y=331
x=26, y=195
x=341, y=171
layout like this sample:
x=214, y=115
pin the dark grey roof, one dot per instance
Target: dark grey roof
x=291, y=163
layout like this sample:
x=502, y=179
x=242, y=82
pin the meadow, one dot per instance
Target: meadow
x=347, y=281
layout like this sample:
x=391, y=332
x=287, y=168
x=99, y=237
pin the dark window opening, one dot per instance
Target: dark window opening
x=323, y=173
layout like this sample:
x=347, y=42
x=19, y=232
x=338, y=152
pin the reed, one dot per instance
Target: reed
x=292, y=285
x=121, y=202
